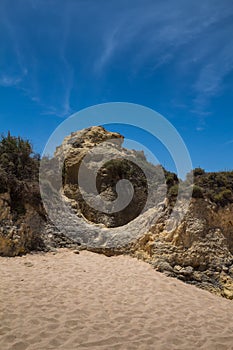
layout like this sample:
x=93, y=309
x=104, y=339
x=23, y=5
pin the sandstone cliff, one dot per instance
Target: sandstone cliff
x=21, y=211
x=197, y=250
x=96, y=149
x=22, y=233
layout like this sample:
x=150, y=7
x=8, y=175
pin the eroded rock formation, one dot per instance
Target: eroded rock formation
x=19, y=234
x=197, y=250
x=100, y=150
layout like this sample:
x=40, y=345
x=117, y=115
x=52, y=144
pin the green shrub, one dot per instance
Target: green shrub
x=197, y=192
x=223, y=198
x=19, y=171
x=3, y=180
x=216, y=186
x=173, y=191
x=171, y=179
x=198, y=171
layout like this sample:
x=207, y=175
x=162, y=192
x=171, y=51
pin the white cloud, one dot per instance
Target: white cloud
x=25, y=64
x=159, y=27
x=9, y=81
x=191, y=35
x=196, y=35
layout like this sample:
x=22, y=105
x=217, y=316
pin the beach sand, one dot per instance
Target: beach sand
x=88, y=301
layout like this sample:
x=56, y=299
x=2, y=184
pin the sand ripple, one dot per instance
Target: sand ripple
x=88, y=301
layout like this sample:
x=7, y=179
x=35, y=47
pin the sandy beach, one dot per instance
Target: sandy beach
x=88, y=301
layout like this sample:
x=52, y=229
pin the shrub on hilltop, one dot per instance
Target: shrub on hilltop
x=215, y=186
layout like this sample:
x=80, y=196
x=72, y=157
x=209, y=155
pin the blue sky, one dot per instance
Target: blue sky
x=59, y=56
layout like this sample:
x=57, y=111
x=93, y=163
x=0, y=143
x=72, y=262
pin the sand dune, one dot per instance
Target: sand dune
x=88, y=301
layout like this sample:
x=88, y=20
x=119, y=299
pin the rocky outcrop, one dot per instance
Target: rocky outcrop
x=30, y=231
x=100, y=154
x=19, y=234
x=77, y=217
x=198, y=251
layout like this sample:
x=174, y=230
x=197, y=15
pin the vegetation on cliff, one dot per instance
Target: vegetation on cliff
x=19, y=172
x=19, y=195
x=198, y=251
x=217, y=187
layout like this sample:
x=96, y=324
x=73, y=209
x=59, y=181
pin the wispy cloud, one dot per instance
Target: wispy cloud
x=215, y=67
x=58, y=44
x=35, y=56
x=194, y=35
x=160, y=27
x=12, y=71
x=200, y=128
x=8, y=81
x=229, y=142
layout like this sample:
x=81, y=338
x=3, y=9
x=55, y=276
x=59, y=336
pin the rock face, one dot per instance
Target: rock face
x=30, y=231
x=22, y=234
x=72, y=206
x=96, y=150
x=198, y=251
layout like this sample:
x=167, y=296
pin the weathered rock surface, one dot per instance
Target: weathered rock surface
x=22, y=234
x=99, y=153
x=30, y=231
x=81, y=222
x=197, y=250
